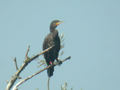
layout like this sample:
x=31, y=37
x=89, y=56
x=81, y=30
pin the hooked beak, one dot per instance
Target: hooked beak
x=59, y=23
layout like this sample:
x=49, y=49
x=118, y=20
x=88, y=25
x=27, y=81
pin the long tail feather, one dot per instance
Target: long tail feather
x=50, y=71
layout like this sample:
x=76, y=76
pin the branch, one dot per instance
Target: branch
x=29, y=77
x=48, y=84
x=26, y=62
x=26, y=55
x=15, y=61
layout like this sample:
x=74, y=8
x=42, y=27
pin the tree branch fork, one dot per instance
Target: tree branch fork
x=26, y=62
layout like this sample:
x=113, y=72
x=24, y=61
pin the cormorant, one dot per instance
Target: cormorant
x=52, y=39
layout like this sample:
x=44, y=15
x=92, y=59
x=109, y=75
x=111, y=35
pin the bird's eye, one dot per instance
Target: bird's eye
x=54, y=24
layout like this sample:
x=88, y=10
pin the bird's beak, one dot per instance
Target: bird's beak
x=59, y=23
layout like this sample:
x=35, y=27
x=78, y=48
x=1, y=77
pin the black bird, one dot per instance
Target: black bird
x=52, y=39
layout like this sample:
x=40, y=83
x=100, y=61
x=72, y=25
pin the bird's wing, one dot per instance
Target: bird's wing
x=48, y=42
x=58, y=44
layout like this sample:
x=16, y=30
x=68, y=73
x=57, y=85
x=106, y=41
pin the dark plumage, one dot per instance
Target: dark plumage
x=52, y=39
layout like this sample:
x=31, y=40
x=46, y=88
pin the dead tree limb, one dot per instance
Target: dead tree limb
x=48, y=84
x=26, y=55
x=15, y=61
x=26, y=62
x=29, y=77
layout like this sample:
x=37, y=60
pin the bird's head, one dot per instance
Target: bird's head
x=54, y=24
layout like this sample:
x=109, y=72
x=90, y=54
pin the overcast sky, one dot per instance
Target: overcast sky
x=92, y=38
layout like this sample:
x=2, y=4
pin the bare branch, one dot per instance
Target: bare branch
x=26, y=62
x=15, y=61
x=48, y=84
x=28, y=49
x=29, y=77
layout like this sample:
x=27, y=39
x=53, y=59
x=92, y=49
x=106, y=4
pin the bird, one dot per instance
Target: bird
x=52, y=39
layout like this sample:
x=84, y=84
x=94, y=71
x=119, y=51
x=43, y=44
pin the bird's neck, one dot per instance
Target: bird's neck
x=54, y=33
x=52, y=30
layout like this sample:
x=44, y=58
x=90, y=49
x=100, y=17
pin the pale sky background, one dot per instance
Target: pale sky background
x=92, y=37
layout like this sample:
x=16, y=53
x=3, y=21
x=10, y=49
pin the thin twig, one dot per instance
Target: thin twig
x=48, y=84
x=16, y=66
x=28, y=49
x=29, y=77
x=26, y=62
x=41, y=65
x=15, y=61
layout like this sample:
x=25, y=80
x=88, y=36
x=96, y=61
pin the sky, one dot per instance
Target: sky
x=91, y=31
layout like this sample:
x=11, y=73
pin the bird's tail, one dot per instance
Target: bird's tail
x=50, y=71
